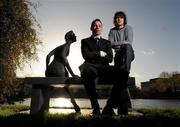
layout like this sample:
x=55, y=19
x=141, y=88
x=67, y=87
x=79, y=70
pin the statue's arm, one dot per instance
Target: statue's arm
x=66, y=62
x=48, y=57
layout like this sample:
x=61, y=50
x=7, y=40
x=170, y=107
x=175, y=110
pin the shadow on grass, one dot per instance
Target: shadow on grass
x=78, y=120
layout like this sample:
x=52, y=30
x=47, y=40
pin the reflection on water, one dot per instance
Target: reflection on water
x=153, y=103
x=63, y=105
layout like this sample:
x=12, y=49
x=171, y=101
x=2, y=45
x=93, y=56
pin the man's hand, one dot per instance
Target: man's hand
x=103, y=54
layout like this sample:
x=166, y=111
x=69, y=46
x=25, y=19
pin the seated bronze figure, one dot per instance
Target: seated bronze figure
x=59, y=67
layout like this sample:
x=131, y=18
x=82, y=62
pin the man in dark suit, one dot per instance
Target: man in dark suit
x=97, y=54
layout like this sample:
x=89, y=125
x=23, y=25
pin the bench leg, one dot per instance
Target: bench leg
x=45, y=105
x=76, y=107
x=39, y=100
x=36, y=100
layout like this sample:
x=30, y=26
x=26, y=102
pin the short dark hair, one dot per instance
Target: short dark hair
x=120, y=14
x=93, y=22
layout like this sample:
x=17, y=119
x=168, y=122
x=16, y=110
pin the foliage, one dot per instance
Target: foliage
x=162, y=85
x=166, y=86
x=18, y=41
x=177, y=81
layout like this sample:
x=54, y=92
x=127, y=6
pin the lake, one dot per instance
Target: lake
x=63, y=105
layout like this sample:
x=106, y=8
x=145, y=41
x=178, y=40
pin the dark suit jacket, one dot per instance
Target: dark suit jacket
x=91, y=52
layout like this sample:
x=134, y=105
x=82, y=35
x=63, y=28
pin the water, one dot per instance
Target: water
x=136, y=103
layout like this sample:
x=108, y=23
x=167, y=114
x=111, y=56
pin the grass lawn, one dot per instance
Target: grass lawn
x=10, y=117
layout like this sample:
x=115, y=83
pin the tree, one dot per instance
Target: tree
x=168, y=85
x=162, y=85
x=18, y=41
x=177, y=79
x=164, y=75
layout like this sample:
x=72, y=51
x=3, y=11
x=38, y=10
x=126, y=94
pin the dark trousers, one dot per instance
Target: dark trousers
x=92, y=74
x=124, y=56
x=120, y=96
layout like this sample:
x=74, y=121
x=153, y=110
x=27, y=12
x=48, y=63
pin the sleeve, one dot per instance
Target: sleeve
x=109, y=57
x=128, y=35
x=111, y=38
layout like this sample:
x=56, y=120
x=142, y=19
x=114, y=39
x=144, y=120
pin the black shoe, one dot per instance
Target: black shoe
x=108, y=111
x=122, y=111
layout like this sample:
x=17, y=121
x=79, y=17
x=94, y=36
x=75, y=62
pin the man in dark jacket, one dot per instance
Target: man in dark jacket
x=97, y=53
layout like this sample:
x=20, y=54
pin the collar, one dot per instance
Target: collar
x=99, y=37
x=118, y=28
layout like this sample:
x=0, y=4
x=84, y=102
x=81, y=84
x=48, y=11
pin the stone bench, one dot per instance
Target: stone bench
x=42, y=85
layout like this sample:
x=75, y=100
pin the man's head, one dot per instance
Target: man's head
x=70, y=36
x=96, y=27
x=120, y=19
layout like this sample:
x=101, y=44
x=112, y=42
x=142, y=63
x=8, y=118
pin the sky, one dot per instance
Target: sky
x=156, y=27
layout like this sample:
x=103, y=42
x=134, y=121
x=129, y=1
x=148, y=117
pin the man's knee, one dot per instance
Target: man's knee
x=130, y=52
x=89, y=73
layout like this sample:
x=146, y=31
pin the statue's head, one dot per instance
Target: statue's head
x=70, y=36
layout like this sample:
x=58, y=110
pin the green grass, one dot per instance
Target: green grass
x=10, y=116
x=7, y=110
x=168, y=113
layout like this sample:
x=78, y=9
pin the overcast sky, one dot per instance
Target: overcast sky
x=156, y=26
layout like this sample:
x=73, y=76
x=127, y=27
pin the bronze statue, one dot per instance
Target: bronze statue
x=59, y=67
